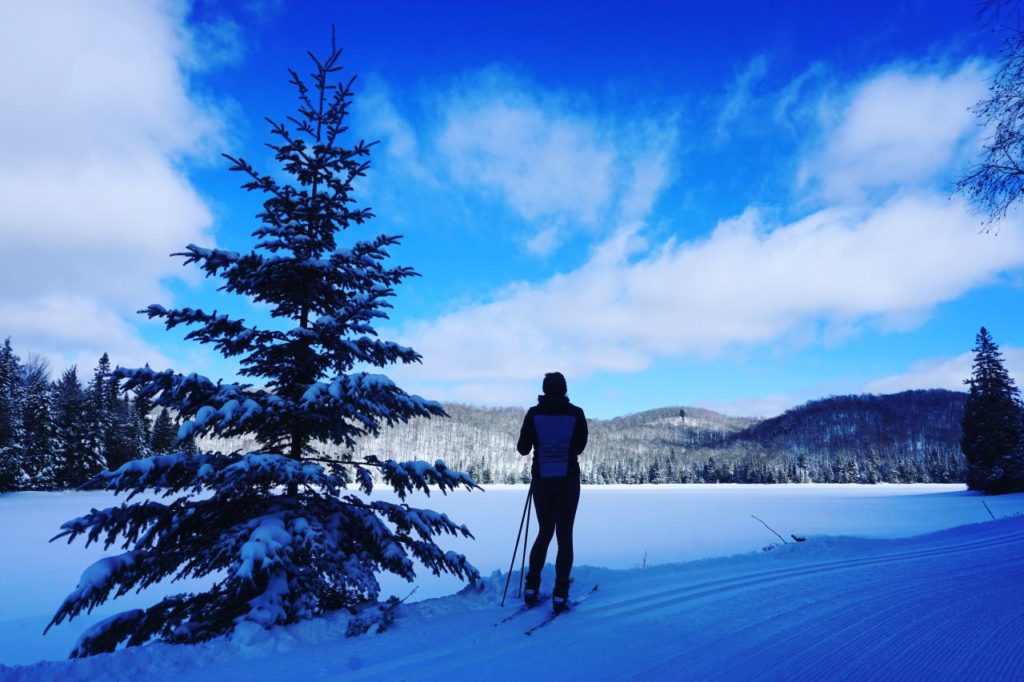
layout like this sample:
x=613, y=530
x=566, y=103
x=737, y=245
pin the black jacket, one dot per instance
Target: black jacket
x=556, y=431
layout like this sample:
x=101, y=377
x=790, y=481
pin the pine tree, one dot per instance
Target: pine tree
x=12, y=403
x=38, y=445
x=143, y=405
x=991, y=424
x=165, y=433
x=126, y=437
x=276, y=530
x=76, y=461
x=102, y=399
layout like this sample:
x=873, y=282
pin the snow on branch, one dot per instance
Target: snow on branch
x=104, y=636
x=406, y=477
x=229, y=336
x=118, y=573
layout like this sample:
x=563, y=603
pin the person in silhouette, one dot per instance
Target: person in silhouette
x=555, y=431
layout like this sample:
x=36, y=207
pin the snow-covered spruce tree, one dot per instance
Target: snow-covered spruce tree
x=992, y=434
x=277, y=531
x=39, y=458
x=102, y=401
x=164, y=434
x=126, y=439
x=75, y=460
x=12, y=403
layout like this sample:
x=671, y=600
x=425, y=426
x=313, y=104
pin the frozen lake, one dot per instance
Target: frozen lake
x=617, y=527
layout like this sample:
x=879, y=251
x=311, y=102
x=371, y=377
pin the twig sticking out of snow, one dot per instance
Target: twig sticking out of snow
x=772, y=530
x=989, y=510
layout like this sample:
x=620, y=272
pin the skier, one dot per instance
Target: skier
x=556, y=431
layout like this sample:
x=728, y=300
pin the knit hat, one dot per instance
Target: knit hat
x=554, y=384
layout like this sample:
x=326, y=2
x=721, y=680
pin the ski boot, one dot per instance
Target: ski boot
x=560, y=597
x=531, y=593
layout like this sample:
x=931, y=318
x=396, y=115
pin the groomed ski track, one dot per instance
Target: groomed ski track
x=942, y=606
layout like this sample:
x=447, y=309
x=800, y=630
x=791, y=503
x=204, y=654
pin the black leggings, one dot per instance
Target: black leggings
x=555, y=500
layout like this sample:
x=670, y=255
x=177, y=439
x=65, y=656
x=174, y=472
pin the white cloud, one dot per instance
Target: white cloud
x=747, y=284
x=740, y=95
x=795, y=105
x=383, y=122
x=544, y=241
x=946, y=373
x=763, y=406
x=213, y=43
x=819, y=279
x=67, y=328
x=899, y=128
x=552, y=163
x=95, y=118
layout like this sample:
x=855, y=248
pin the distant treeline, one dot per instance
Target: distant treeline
x=908, y=437
x=56, y=434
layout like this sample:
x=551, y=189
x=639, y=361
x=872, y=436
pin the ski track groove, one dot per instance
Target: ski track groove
x=811, y=626
x=511, y=641
x=862, y=632
x=794, y=647
x=860, y=629
x=875, y=556
x=655, y=600
x=806, y=611
x=992, y=643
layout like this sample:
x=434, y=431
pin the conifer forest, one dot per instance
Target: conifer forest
x=55, y=434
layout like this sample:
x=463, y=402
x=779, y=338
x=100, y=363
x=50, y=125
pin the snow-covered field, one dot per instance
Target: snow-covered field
x=947, y=605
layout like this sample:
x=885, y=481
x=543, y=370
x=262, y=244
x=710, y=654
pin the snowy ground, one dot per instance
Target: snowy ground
x=946, y=605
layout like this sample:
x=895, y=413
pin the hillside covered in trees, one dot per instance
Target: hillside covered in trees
x=906, y=437
x=57, y=433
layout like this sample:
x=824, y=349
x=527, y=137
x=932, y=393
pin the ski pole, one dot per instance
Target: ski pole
x=526, y=541
x=515, y=551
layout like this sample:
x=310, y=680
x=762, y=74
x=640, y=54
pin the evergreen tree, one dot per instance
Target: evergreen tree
x=187, y=445
x=143, y=405
x=276, y=530
x=11, y=418
x=126, y=438
x=38, y=446
x=102, y=399
x=165, y=433
x=654, y=472
x=874, y=467
x=75, y=460
x=991, y=423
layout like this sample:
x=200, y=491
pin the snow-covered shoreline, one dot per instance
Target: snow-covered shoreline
x=619, y=528
x=945, y=605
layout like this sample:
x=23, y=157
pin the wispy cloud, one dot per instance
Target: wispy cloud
x=752, y=282
x=899, y=129
x=764, y=406
x=797, y=103
x=740, y=96
x=946, y=373
x=553, y=161
x=747, y=284
x=94, y=197
x=383, y=122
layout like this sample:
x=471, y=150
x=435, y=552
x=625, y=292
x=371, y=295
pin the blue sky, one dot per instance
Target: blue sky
x=733, y=205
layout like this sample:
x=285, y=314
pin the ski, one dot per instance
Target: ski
x=523, y=609
x=550, y=618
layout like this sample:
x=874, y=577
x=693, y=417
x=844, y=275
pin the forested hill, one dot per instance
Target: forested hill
x=887, y=424
x=905, y=437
